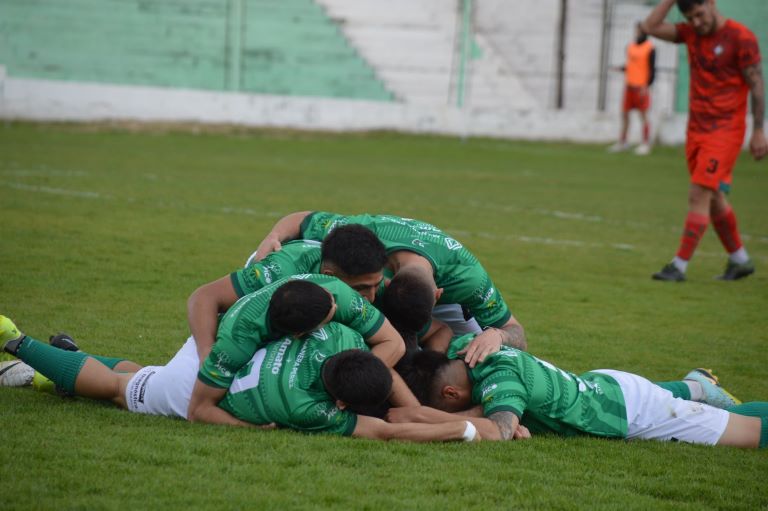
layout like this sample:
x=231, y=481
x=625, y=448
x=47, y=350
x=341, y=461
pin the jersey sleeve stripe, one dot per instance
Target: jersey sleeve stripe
x=305, y=223
x=236, y=284
x=375, y=328
x=210, y=382
x=502, y=408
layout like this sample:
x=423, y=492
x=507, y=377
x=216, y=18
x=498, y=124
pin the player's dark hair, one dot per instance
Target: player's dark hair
x=359, y=379
x=408, y=300
x=411, y=340
x=298, y=306
x=422, y=373
x=687, y=5
x=354, y=249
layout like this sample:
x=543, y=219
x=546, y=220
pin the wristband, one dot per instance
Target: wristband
x=470, y=432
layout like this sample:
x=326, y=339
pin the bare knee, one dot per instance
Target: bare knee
x=741, y=431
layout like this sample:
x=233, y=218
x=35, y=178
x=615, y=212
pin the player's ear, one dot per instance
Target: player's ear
x=341, y=405
x=449, y=392
x=438, y=293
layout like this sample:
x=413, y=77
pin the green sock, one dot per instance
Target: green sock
x=755, y=409
x=677, y=388
x=59, y=365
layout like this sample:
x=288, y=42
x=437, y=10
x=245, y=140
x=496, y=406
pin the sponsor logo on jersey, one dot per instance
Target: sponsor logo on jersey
x=278, y=362
x=488, y=389
x=417, y=242
x=320, y=334
x=319, y=357
x=296, y=365
x=358, y=306
x=719, y=50
x=452, y=244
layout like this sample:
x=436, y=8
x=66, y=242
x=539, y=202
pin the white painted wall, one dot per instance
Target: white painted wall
x=43, y=100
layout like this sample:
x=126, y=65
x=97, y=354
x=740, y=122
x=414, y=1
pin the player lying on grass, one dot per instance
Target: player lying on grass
x=512, y=387
x=310, y=385
x=460, y=279
x=351, y=253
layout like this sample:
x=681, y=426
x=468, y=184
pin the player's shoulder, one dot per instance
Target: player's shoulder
x=740, y=29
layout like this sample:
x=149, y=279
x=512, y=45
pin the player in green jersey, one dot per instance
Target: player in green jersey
x=458, y=276
x=280, y=308
x=309, y=385
x=354, y=255
x=512, y=387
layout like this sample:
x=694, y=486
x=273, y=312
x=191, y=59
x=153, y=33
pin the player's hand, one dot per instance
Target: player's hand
x=758, y=145
x=266, y=427
x=521, y=433
x=403, y=414
x=483, y=345
x=270, y=244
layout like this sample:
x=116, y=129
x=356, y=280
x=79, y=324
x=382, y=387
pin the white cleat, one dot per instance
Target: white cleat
x=618, y=147
x=643, y=150
x=15, y=373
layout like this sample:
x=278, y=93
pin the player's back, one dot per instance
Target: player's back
x=283, y=383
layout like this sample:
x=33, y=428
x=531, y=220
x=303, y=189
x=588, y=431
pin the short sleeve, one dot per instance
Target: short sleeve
x=749, y=50
x=684, y=32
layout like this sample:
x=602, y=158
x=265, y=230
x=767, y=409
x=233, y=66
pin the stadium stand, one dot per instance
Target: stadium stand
x=283, y=47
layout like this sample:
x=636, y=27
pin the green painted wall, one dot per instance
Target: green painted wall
x=752, y=13
x=286, y=47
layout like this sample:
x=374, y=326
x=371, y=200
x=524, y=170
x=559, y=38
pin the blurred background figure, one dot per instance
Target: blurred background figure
x=639, y=73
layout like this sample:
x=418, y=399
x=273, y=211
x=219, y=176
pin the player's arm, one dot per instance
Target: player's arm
x=490, y=341
x=656, y=25
x=286, y=229
x=203, y=407
x=758, y=145
x=497, y=426
x=370, y=427
x=203, y=307
x=388, y=345
x=652, y=67
x=438, y=337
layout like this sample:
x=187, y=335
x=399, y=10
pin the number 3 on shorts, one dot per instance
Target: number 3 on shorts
x=712, y=167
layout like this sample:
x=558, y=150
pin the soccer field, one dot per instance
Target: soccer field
x=105, y=233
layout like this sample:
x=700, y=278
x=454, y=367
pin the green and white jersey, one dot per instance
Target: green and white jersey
x=544, y=397
x=456, y=270
x=244, y=329
x=282, y=383
x=294, y=258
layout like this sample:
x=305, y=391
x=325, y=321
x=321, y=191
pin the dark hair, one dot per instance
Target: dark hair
x=408, y=301
x=421, y=375
x=687, y=5
x=354, y=249
x=359, y=379
x=298, y=306
x=411, y=340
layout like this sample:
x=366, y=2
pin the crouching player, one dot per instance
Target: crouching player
x=311, y=385
x=512, y=387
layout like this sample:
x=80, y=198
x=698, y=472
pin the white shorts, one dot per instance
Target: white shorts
x=654, y=413
x=453, y=316
x=165, y=390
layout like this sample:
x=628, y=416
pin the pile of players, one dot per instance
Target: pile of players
x=381, y=327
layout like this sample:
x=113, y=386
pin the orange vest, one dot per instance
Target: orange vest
x=638, y=70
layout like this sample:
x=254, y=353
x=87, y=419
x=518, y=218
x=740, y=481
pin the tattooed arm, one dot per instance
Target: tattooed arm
x=758, y=145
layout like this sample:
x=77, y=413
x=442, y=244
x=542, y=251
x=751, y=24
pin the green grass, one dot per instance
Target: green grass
x=105, y=232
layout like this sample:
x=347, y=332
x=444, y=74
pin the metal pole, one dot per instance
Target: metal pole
x=605, y=52
x=559, y=101
x=466, y=44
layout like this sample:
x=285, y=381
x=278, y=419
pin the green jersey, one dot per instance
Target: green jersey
x=544, y=397
x=244, y=329
x=294, y=258
x=456, y=270
x=282, y=384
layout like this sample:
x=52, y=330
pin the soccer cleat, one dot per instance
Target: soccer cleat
x=618, y=147
x=714, y=394
x=669, y=273
x=63, y=342
x=15, y=373
x=643, y=149
x=10, y=336
x=736, y=271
